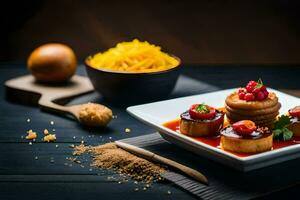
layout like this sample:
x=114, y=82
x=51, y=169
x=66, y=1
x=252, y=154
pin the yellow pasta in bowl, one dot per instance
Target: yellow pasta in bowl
x=133, y=72
x=134, y=56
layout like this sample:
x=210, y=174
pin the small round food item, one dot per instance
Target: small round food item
x=202, y=111
x=234, y=101
x=254, y=102
x=295, y=121
x=92, y=114
x=295, y=112
x=295, y=126
x=207, y=122
x=52, y=63
x=249, y=97
x=254, y=91
x=244, y=127
x=249, y=139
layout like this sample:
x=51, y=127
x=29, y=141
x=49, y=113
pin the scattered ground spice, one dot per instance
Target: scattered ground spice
x=109, y=156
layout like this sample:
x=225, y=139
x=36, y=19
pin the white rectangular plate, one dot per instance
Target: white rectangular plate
x=157, y=113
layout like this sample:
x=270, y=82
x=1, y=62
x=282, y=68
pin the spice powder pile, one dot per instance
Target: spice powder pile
x=109, y=156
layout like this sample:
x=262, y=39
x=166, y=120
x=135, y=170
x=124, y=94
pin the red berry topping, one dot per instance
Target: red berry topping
x=242, y=90
x=242, y=95
x=266, y=93
x=263, y=88
x=254, y=91
x=244, y=127
x=295, y=112
x=250, y=88
x=249, y=97
x=252, y=83
x=260, y=96
x=202, y=111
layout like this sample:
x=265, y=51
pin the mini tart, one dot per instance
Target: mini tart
x=263, y=113
x=295, y=126
x=200, y=128
x=234, y=101
x=259, y=141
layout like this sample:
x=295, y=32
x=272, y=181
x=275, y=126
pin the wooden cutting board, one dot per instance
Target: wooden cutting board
x=26, y=90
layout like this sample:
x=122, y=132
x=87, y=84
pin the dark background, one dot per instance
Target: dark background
x=201, y=32
x=229, y=34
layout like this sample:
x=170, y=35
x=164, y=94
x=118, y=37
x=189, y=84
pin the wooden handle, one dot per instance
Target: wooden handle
x=156, y=158
x=135, y=150
x=49, y=106
x=27, y=90
x=187, y=170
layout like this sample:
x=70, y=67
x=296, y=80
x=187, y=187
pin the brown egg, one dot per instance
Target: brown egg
x=52, y=63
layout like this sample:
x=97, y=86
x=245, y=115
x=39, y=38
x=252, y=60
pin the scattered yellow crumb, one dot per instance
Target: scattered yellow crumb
x=127, y=130
x=92, y=114
x=46, y=132
x=50, y=138
x=31, y=135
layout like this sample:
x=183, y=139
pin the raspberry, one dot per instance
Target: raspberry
x=256, y=90
x=263, y=88
x=266, y=93
x=242, y=90
x=260, y=96
x=242, y=95
x=252, y=83
x=250, y=88
x=249, y=97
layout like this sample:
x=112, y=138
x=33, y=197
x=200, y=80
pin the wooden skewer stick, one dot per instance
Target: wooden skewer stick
x=156, y=158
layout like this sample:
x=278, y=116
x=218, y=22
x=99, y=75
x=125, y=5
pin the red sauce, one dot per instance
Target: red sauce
x=215, y=140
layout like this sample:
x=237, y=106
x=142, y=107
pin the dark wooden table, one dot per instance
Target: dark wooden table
x=41, y=170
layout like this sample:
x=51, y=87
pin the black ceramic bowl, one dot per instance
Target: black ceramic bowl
x=129, y=88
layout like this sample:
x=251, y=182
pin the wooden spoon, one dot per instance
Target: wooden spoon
x=26, y=90
x=90, y=114
x=148, y=155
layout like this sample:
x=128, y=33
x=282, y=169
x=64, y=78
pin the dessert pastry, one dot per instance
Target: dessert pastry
x=201, y=120
x=295, y=121
x=253, y=102
x=245, y=137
